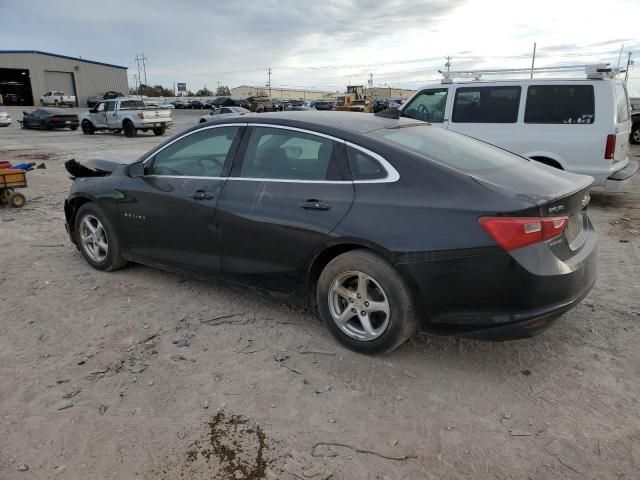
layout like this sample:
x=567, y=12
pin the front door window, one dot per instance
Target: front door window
x=428, y=106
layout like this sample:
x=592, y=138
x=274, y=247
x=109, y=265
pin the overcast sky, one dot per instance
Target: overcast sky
x=323, y=44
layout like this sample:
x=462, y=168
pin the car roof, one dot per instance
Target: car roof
x=357, y=122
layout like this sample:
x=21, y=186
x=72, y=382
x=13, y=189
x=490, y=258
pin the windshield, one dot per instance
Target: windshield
x=449, y=148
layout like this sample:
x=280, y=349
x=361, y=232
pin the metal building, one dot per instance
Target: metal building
x=25, y=75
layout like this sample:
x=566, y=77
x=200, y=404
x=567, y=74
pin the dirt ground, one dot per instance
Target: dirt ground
x=146, y=374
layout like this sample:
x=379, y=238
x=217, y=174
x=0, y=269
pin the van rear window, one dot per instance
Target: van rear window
x=560, y=104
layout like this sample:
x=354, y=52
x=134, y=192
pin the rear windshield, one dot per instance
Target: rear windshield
x=132, y=105
x=449, y=148
x=622, y=103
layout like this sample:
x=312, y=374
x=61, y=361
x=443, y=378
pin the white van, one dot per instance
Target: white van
x=578, y=125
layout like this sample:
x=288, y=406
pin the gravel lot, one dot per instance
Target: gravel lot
x=93, y=384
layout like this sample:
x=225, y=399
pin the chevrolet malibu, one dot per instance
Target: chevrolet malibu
x=384, y=225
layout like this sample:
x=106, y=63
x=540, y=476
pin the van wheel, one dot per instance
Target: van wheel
x=635, y=133
x=365, y=303
x=87, y=127
x=129, y=129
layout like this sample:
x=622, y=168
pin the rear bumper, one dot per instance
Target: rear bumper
x=499, y=296
x=619, y=181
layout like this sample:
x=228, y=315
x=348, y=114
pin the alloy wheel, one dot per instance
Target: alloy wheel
x=636, y=135
x=359, y=306
x=93, y=238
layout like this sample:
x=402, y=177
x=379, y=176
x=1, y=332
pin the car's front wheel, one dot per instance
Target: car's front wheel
x=129, y=129
x=97, y=239
x=365, y=303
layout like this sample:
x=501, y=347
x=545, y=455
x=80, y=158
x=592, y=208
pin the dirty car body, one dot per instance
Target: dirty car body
x=489, y=245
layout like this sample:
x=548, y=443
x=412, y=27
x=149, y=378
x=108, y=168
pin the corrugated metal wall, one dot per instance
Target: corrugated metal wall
x=89, y=78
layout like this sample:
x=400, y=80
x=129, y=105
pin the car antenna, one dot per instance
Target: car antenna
x=394, y=113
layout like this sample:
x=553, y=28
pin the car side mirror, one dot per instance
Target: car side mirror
x=135, y=170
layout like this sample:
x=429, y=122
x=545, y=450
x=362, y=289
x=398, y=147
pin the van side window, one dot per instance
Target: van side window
x=428, y=106
x=566, y=104
x=486, y=105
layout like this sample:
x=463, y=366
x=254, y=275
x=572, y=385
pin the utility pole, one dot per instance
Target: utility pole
x=448, y=64
x=141, y=58
x=533, y=59
x=269, y=83
x=136, y=76
x=371, y=80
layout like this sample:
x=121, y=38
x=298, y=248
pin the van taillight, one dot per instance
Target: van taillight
x=518, y=232
x=610, y=149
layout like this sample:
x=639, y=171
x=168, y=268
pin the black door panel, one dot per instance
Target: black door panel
x=266, y=237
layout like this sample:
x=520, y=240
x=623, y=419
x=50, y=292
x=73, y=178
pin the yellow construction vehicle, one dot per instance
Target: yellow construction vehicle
x=354, y=100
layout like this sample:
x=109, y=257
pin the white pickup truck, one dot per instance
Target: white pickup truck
x=58, y=99
x=126, y=115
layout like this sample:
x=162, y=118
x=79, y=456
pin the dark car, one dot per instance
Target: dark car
x=196, y=105
x=12, y=99
x=50, y=118
x=324, y=105
x=384, y=225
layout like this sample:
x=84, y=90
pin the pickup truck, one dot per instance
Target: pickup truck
x=58, y=99
x=126, y=115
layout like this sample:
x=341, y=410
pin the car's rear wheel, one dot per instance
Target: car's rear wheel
x=635, y=133
x=129, y=129
x=365, y=303
x=87, y=127
x=97, y=239
x=159, y=131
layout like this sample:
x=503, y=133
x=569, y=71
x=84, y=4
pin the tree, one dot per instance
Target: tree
x=204, y=92
x=223, y=91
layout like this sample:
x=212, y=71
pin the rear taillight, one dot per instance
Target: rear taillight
x=140, y=114
x=518, y=232
x=610, y=148
x=55, y=119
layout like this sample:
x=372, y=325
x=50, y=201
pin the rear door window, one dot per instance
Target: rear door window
x=560, y=104
x=622, y=103
x=428, y=106
x=486, y=104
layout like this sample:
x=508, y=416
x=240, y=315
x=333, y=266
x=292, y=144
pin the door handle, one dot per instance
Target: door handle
x=202, y=195
x=314, y=205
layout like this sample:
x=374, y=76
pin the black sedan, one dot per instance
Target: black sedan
x=50, y=118
x=384, y=225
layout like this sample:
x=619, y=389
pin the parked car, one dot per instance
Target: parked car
x=10, y=99
x=324, y=105
x=5, y=119
x=57, y=99
x=224, y=112
x=126, y=115
x=382, y=229
x=151, y=103
x=578, y=125
x=179, y=104
x=166, y=106
x=196, y=105
x=49, y=118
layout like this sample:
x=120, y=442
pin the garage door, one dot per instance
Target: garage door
x=60, y=82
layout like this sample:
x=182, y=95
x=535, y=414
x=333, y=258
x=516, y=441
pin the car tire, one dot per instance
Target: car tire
x=389, y=325
x=159, y=131
x=87, y=127
x=128, y=129
x=93, y=250
x=635, y=134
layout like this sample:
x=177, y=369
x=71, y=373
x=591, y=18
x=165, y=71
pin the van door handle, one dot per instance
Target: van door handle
x=201, y=195
x=314, y=205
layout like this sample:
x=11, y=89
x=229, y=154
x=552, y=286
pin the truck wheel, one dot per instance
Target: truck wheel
x=159, y=131
x=56, y=103
x=87, y=127
x=129, y=129
x=42, y=102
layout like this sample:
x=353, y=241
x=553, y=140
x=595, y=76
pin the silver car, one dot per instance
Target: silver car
x=5, y=119
x=222, y=112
